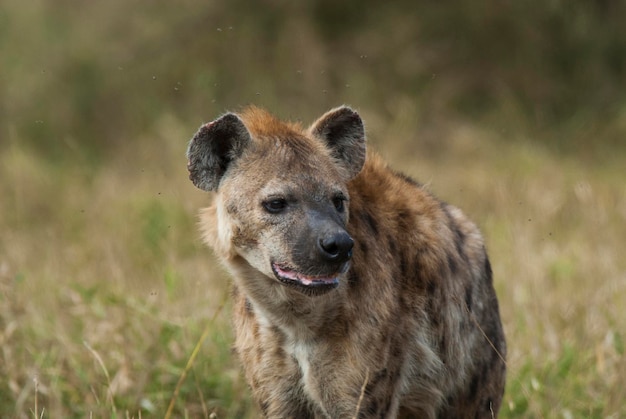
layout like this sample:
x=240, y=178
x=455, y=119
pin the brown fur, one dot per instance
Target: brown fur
x=411, y=330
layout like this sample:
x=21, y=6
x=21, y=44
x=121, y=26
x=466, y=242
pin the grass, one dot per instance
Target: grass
x=106, y=290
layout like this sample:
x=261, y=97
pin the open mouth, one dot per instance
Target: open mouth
x=307, y=284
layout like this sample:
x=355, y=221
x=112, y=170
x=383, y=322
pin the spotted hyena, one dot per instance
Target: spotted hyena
x=357, y=293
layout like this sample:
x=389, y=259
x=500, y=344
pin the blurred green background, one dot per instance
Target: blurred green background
x=514, y=111
x=98, y=74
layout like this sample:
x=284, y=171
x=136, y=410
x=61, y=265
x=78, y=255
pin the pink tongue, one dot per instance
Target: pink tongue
x=306, y=280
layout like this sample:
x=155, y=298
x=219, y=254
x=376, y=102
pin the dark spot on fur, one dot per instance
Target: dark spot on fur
x=375, y=380
x=254, y=382
x=234, y=292
x=396, y=352
x=264, y=407
x=488, y=271
x=473, y=388
x=435, y=318
x=402, y=216
x=364, y=248
x=486, y=367
x=378, y=382
x=465, y=326
x=442, y=269
x=452, y=263
x=493, y=332
x=337, y=329
x=231, y=209
x=371, y=223
x=259, y=353
x=248, y=307
x=392, y=245
x=404, y=267
x=242, y=239
x=431, y=286
x=405, y=220
x=385, y=410
x=372, y=408
x=459, y=236
x=430, y=305
x=494, y=354
x=468, y=298
x=279, y=335
x=353, y=278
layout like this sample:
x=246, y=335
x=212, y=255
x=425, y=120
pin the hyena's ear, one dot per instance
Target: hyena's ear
x=342, y=131
x=213, y=148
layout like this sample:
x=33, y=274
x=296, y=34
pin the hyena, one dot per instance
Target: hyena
x=357, y=293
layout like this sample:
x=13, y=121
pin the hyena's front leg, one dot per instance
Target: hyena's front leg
x=273, y=375
x=366, y=395
x=278, y=397
x=379, y=398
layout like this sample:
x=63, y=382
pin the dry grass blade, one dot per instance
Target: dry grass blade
x=358, y=405
x=190, y=361
x=100, y=362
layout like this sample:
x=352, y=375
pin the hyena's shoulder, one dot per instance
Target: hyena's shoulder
x=413, y=249
x=423, y=244
x=394, y=215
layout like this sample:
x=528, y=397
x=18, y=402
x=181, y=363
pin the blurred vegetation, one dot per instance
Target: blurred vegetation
x=515, y=111
x=89, y=79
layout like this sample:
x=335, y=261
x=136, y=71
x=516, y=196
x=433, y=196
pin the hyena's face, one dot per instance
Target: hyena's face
x=290, y=223
x=282, y=200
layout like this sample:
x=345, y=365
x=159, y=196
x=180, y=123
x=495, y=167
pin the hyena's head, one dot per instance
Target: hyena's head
x=282, y=199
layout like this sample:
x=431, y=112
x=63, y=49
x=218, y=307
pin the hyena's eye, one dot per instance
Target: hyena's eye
x=338, y=202
x=275, y=205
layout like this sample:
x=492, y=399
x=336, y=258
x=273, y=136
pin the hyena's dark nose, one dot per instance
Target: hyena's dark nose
x=336, y=247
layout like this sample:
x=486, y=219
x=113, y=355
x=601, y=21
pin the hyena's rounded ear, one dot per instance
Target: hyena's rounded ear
x=213, y=148
x=342, y=131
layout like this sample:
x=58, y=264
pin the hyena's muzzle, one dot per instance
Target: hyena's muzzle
x=321, y=249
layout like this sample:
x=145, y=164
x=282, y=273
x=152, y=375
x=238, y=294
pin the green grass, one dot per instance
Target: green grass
x=105, y=288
